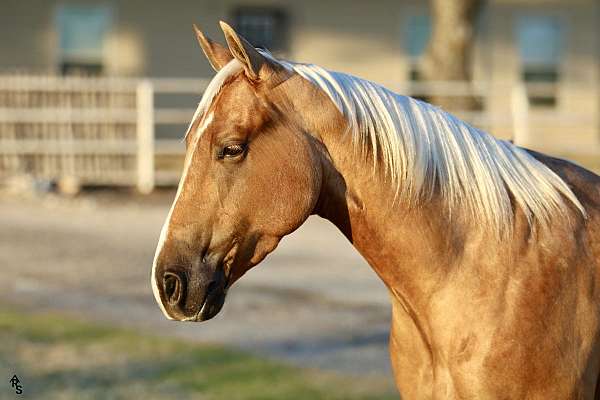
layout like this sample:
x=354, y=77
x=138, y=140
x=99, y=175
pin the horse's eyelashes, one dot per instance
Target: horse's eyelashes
x=232, y=150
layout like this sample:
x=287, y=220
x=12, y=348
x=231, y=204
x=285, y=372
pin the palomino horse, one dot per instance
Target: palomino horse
x=491, y=253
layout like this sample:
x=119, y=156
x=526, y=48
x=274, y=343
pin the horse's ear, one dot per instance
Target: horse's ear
x=217, y=54
x=239, y=47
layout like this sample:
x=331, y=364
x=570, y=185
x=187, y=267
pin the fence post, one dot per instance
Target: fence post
x=520, y=114
x=145, y=136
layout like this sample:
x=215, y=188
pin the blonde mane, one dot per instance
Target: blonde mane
x=422, y=149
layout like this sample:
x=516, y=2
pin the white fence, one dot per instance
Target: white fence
x=95, y=131
x=103, y=131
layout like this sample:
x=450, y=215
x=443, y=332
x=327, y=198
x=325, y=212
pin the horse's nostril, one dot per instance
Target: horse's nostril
x=173, y=288
x=211, y=286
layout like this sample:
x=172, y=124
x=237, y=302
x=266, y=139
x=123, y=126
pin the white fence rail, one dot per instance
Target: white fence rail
x=103, y=131
x=95, y=131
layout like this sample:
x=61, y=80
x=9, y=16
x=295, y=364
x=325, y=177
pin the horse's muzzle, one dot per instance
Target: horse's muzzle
x=189, y=296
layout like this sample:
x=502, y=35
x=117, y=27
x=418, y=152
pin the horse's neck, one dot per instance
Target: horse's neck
x=410, y=248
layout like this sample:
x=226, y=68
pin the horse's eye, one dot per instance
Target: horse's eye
x=232, y=150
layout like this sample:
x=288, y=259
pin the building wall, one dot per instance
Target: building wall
x=365, y=38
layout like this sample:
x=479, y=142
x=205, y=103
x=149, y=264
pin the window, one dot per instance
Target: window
x=263, y=27
x=539, y=40
x=418, y=32
x=82, y=31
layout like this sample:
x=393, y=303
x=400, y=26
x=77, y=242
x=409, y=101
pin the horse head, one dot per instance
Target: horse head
x=251, y=176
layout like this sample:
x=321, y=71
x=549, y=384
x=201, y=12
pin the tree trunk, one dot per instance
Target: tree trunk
x=448, y=55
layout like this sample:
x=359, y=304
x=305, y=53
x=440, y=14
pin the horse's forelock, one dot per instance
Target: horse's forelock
x=212, y=90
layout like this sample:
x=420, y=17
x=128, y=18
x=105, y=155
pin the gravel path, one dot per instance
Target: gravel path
x=313, y=302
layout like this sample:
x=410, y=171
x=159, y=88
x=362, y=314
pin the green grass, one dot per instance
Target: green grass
x=57, y=357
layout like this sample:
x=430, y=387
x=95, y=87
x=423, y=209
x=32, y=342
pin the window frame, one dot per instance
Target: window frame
x=535, y=75
x=280, y=23
x=67, y=60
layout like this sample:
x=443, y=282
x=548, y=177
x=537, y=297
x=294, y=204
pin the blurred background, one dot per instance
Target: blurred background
x=94, y=99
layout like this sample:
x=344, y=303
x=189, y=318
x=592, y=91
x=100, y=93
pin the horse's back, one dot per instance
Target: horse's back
x=584, y=183
x=586, y=186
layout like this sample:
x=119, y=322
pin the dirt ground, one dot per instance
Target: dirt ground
x=313, y=302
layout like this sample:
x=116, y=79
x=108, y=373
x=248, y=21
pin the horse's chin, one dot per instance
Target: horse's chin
x=213, y=303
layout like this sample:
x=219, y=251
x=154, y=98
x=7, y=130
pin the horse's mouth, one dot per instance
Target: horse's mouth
x=211, y=304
